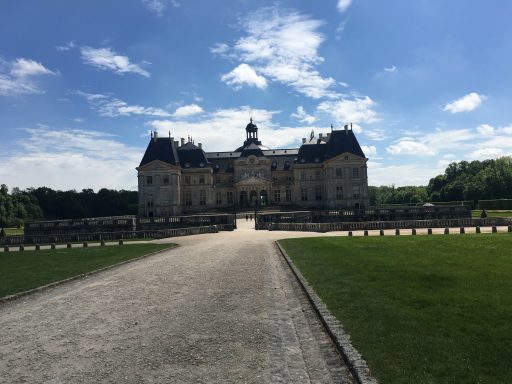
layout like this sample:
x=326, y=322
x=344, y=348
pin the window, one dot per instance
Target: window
x=339, y=172
x=202, y=197
x=187, y=180
x=355, y=172
x=289, y=178
x=230, y=179
x=356, y=193
x=339, y=192
x=303, y=175
x=217, y=179
x=201, y=179
x=165, y=179
x=304, y=194
x=318, y=175
x=149, y=180
x=318, y=193
x=288, y=194
x=277, y=195
x=218, y=198
x=230, y=197
x=150, y=201
x=188, y=198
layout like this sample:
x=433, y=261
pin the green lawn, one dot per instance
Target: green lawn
x=478, y=212
x=423, y=309
x=21, y=271
x=13, y=231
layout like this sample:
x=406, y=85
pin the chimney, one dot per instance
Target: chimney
x=320, y=135
x=303, y=140
x=155, y=135
x=182, y=141
x=200, y=145
x=176, y=144
x=346, y=128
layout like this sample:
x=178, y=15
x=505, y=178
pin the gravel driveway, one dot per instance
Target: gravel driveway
x=222, y=308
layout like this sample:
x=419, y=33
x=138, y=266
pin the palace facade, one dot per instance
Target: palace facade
x=326, y=172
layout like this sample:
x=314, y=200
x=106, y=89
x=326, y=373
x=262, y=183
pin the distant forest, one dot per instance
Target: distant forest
x=468, y=181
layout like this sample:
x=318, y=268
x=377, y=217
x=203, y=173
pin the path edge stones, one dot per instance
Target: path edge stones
x=355, y=362
x=15, y=296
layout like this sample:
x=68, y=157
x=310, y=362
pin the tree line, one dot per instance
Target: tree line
x=462, y=181
x=45, y=203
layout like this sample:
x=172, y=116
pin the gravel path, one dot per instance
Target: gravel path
x=222, y=308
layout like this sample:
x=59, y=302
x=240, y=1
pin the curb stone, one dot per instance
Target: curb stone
x=355, y=362
x=14, y=296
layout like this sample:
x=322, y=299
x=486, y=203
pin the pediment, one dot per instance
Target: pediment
x=253, y=180
x=344, y=157
x=157, y=165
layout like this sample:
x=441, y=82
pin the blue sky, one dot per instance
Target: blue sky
x=82, y=83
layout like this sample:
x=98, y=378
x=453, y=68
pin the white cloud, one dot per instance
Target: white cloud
x=219, y=48
x=409, y=147
x=302, y=116
x=465, y=104
x=158, y=6
x=488, y=153
x=71, y=159
x=485, y=129
x=187, y=110
x=106, y=59
x=112, y=107
x=370, y=150
x=16, y=77
x=24, y=68
x=283, y=47
x=391, y=69
x=343, y=5
x=66, y=47
x=350, y=110
x=401, y=175
x=224, y=129
x=376, y=134
x=244, y=74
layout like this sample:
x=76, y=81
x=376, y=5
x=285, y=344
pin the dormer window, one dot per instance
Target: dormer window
x=149, y=180
x=201, y=164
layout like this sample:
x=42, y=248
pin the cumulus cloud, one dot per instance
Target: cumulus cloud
x=355, y=110
x=485, y=129
x=409, y=147
x=17, y=76
x=70, y=159
x=369, y=150
x=224, y=129
x=489, y=153
x=302, y=116
x=110, y=106
x=282, y=47
x=187, y=110
x=107, y=59
x=244, y=74
x=466, y=103
x=343, y=5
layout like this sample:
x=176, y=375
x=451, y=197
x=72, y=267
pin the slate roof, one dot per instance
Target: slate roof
x=340, y=142
x=191, y=156
x=311, y=153
x=160, y=149
x=252, y=149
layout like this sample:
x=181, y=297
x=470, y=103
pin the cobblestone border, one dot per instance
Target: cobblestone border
x=15, y=296
x=355, y=362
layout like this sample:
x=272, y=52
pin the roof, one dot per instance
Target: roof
x=191, y=156
x=162, y=149
x=311, y=153
x=341, y=142
x=252, y=149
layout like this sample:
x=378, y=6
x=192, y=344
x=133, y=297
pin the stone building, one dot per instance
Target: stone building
x=326, y=172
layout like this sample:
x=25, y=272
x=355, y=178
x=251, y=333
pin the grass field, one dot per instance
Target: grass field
x=476, y=213
x=13, y=231
x=21, y=271
x=425, y=309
